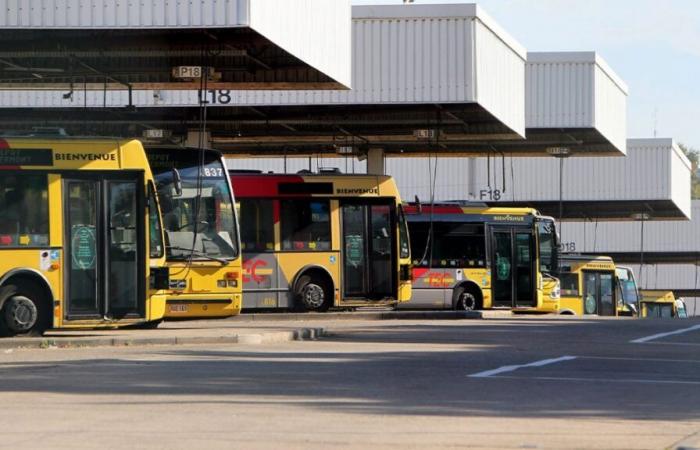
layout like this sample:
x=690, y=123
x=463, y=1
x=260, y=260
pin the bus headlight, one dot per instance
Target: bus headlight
x=556, y=292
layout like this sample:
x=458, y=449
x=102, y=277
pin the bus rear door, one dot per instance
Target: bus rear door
x=369, y=249
x=104, y=241
x=512, y=267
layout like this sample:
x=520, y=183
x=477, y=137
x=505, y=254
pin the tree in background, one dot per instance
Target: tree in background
x=694, y=157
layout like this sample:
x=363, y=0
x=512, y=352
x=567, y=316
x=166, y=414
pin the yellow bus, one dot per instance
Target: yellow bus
x=201, y=232
x=80, y=236
x=593, y=285
x=469, y=256
x=657, y=304
x=315, y=241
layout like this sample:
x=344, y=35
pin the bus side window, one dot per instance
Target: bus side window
x=569, y=284
x=305, y=225
x=257, y=225
x=24, y=212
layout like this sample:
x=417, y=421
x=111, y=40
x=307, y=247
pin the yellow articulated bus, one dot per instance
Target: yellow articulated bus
x=593, y=285
x=657, y=304
x=201, y=232
x=469, y=256
x=81, y=241
x=315, y=241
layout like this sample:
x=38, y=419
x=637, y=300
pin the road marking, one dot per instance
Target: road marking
x=603, y=380
x=504, y=369
x=615, y=358
x=663, y=335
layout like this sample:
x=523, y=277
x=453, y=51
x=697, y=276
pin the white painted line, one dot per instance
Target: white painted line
x=663, y=335
x=603, y=380
x=504, y=369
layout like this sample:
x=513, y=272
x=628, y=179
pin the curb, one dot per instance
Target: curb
x=373, y=315
x=275, y=337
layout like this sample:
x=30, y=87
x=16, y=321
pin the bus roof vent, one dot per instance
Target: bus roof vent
x=36, y=132
x=329, y=170
x=466, y=203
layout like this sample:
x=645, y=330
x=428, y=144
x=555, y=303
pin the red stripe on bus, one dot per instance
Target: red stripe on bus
x=419, y=273
x=425, y=209
x=260, y=186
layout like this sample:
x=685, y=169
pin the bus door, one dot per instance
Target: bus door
x=105, y=247
x=512, y=267
x=598, y=297
x=369, y=248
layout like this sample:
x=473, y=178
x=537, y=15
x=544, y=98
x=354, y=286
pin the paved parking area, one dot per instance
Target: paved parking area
x=527, y=382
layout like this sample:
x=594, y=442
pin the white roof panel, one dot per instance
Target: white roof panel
x=574, y=90
x=315, y=31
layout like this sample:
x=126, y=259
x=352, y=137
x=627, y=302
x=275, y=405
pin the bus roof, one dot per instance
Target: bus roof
x=575, y=263
x=260, y=185
x=27, y=153
x=467, y=208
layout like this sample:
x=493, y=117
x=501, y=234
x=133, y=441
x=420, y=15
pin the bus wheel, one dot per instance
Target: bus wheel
x=24, y=312
x=312, y=294
x=465, y=299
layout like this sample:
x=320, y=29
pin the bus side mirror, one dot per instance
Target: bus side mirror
x=177, y=182
x=419, y=207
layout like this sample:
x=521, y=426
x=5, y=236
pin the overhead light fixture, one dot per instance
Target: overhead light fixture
x=558, y=151
x=640, y=216
x=154, y=133
x=425, y=133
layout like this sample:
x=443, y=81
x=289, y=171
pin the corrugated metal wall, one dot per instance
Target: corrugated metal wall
x=575, y=90
x=417, y=54
x=293, y=165
x=654, y=169
x=610, y=105
x=317, y=32
x=659, y=236
x=123, y=13
x=500, y=75
x=667, y=276
x=558, y=95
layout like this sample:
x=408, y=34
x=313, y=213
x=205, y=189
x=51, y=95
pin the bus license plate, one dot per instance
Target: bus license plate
x=178, y=308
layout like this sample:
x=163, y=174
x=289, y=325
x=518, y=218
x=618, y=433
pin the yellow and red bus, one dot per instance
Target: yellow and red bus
x=81, y=242
x=471, y=256
x=316, y=241
x=201, y=232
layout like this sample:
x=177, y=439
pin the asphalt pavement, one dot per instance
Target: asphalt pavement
x=530, y=382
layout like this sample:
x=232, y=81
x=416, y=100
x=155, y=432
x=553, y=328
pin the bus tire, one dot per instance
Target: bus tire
x=313, y=293
x=466, y=298
x=24, y=312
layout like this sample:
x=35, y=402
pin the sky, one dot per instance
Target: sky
x=654, y=46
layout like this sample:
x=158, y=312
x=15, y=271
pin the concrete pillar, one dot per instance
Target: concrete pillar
x=375, y=161
x=193, y=139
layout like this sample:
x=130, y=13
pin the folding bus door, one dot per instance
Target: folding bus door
x=104, y=234
x=512, y=270
x=369, y=249
x=598, y=297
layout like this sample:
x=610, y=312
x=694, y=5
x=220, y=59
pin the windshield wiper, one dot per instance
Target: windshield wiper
x=223, y=261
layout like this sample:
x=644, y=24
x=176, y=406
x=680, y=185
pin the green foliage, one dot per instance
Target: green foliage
x=694, y=157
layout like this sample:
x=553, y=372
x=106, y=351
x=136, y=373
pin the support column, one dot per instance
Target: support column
x=193, y=139
x=375, y=161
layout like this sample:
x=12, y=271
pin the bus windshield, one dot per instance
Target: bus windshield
x=628, y=286
x=547, y=237
x=196, y=202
